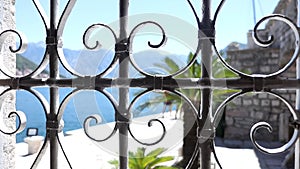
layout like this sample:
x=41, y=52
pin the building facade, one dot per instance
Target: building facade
x=252, y=108
x=7, y=102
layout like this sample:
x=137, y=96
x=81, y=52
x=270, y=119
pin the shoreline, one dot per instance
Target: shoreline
x=91, y=154
x=85, y=153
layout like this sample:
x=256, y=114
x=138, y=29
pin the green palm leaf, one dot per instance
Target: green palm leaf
x=156, y=152
x=159, y=160
x=164, y=167
x=139, y=160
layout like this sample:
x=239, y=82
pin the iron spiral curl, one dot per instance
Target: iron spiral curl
x=263, y=43
x=131, y=38
x=87, y=120
x=97, y=46
x=266, y=43
x=21, y=117
x=90, y=30
x=22, y=46
x=194, y=112
x=46, y=108
x=96, y=117
x=150, y=123
x=21, y=121
x=141, y=25
x=266, y=125
x=20, y=49
x=22, y=40
x=261, y=125
x=163, y=41
x=98, y=120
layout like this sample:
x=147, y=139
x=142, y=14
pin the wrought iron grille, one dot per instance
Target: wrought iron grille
x=54, y=110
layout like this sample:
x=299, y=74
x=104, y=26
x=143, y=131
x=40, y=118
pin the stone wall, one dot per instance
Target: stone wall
x=255, y=107
x=7, y=103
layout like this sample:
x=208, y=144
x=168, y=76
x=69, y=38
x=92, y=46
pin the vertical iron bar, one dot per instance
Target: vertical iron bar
x=124, y=5
x=54, y=101
x=123, y=92
x=206, y=61
x=297, y=106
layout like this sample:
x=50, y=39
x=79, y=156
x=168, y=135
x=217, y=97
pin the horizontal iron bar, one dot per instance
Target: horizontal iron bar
x=256, y=84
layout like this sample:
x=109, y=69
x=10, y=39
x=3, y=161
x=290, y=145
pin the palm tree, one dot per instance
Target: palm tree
x=151, y=160
x=190, y=127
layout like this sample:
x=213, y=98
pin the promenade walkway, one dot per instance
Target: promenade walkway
x=83, y=153
x=245, y=155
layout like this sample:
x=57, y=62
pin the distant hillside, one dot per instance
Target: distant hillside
x=23, y=64
x=92, y=62
x=84, y=61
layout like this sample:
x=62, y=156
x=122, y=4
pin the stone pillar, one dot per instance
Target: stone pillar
x=283, y=127
x=7, y=103
x=250, y=41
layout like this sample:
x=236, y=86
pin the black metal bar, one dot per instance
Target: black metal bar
x=123, y=54
x=206, y=94
x=205, y=83
x=124, y=5
x=54, y=74
x=147, y=82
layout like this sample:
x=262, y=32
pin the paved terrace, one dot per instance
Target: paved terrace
x=245, y=155
x=83, y=153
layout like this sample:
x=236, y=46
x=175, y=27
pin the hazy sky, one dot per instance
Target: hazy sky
x=235, y=19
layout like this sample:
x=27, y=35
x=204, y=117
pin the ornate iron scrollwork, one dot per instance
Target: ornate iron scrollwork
x=150, y=82
x=266, y=43
x=266, y=125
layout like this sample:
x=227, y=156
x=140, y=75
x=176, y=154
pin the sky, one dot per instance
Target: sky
x=234, y=20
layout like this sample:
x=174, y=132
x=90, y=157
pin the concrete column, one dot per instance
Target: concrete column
x=283, y=127
x=7, y=104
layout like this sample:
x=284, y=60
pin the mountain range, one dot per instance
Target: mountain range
x=89, y=62
x=35, y=53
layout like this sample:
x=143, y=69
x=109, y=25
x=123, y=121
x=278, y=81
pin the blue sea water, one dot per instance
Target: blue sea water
x=79, y=107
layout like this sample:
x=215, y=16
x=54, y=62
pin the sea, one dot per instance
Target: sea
x=82, y=105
